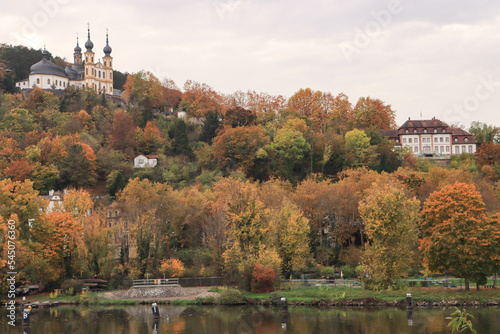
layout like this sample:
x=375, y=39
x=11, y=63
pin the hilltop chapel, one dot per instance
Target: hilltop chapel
x=84, y=72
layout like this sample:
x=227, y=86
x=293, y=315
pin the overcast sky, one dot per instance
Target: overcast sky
x=436, y=58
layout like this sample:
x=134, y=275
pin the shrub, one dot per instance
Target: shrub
x=84, y=298
x=172, y=267
x=327, y=272
x=275, y=298
x=263, y=279
x=351, y=256
x=210, y=300
x=348, y=271
x=72, y=287
x=230, y=297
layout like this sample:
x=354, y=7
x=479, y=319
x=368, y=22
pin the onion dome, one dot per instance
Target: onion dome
x=78, y=49
x=88, y=44
x=107, y=48
x=45, y=66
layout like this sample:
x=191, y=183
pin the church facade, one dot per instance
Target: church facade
x=85, y=71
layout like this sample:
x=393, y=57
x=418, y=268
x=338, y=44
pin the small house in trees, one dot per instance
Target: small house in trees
x=432, y=138
x=55, y=200
x=142, y=161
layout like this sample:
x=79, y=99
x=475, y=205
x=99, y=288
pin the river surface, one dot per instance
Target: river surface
x=226, y=320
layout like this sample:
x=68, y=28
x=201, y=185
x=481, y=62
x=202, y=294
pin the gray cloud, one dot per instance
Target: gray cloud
x=429, y=57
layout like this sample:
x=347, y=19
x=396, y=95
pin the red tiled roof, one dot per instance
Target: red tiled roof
x=462, y=136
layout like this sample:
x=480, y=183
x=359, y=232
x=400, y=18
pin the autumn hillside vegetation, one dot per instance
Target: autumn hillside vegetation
x=249, y=186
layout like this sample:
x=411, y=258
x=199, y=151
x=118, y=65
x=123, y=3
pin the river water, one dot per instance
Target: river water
x=226, y=320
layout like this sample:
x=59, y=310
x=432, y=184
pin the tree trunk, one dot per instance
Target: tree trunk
x=466, y=284
x=477, y=285
x=495, y=280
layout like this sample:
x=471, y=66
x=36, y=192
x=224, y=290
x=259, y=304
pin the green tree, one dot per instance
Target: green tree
x=484, y=133
x=115, y=182
x=210, y=126
x=356, y=145
x=77, y=170
x=178, y=132
x=391, y=227
x=288, y=152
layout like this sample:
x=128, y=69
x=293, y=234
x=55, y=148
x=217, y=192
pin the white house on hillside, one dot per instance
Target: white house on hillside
x=142, y=161
x=432, y=138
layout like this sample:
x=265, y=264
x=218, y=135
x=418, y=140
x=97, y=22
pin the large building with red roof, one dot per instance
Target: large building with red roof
x=432, y=138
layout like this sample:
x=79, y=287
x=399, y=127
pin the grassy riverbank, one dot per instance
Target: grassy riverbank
x=311, y=296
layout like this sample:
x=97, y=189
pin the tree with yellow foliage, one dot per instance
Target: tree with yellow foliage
x=391, y=227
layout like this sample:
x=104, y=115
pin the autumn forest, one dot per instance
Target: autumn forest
x=249, y=186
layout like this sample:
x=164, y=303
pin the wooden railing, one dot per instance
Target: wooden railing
x=155, y=282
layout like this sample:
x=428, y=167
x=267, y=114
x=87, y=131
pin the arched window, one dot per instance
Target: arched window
x=466, y=139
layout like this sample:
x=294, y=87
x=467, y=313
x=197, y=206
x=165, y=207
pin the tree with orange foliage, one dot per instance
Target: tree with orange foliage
x=373, y=113
x=457, y=235
x=145, y=89
x=62, y=239
x=341, y=107
x=238, y=148
x=488, y=154
x=313, y=104
x=266, y=107
x=150, y=139
x=123, y=133
x=198, y=99
x=19, y=170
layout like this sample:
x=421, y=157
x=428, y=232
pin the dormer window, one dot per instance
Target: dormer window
x=425, y=130
x=415, y=131
x=444, y=130
x=456, y=140
x=466, y=139
x=435, y=130
x=406, y=131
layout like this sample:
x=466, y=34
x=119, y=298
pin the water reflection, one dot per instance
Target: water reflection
x=226, y=320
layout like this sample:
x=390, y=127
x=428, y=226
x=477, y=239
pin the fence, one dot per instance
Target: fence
x=201, y=281
x=155, y=282
x=184, y=282
x=300, y=283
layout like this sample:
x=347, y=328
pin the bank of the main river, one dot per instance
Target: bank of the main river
x=312, y=296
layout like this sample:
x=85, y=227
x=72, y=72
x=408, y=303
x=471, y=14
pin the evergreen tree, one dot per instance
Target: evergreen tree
x=209, y=129
x=179, y=134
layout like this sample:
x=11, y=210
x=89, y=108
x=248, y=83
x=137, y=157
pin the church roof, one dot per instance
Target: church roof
x=430, y=123
x=74, y=72
x=45, y=66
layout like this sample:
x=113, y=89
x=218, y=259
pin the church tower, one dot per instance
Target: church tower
x=108, y=68
x=89, y=63
x=77, y=56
